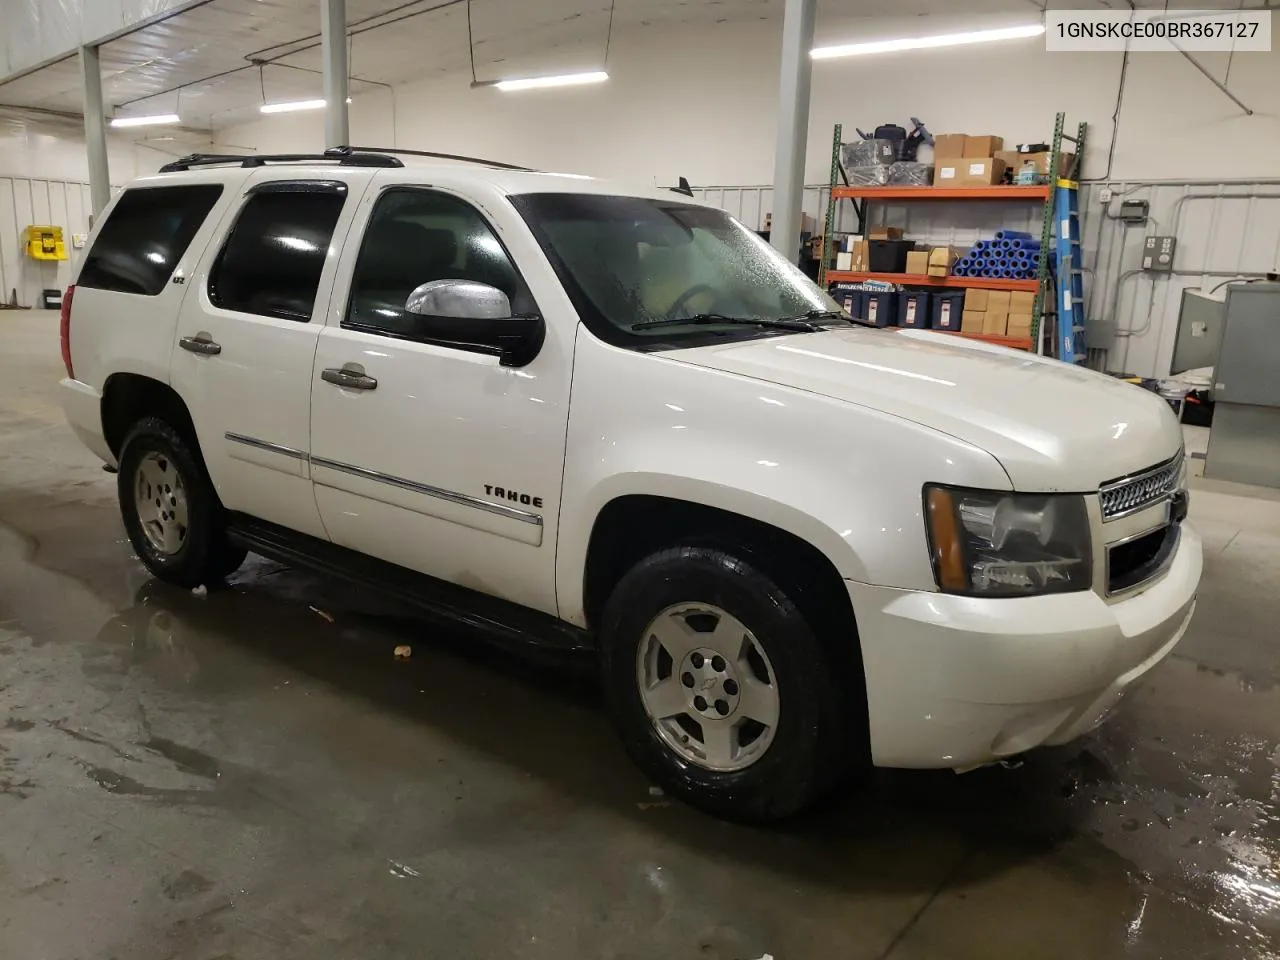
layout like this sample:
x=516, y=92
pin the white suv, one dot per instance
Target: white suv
x=616, y=418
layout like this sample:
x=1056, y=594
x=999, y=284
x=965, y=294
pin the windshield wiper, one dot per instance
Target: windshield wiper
x=798, y=324
x=820, y=315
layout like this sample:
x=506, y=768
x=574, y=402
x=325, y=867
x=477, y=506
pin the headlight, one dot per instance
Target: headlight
x=989, y=543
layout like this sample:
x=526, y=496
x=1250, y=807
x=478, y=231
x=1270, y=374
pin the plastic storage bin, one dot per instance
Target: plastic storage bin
x=848, y=297
x=947, y=307
x=913, y=309
x=888, y=256
x=880, y=307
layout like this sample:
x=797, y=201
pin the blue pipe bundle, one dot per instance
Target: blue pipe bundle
x=1012, y=235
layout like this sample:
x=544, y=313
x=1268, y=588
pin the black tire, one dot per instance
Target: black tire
x=206, y=556
x=810, y=751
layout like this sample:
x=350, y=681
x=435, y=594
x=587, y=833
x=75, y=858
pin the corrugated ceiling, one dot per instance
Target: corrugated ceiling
x=200, y=63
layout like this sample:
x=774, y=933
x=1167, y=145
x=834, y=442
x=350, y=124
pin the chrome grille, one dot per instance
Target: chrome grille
x=1127, y=494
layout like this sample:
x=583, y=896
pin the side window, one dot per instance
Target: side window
x=272, y=259
x=415, y=236
x=146, y=235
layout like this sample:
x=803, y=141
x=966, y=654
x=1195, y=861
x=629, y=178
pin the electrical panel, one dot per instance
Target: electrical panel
x=1134, y=211
x=1157, y=254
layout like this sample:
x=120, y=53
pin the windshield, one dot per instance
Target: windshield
x=647, y=273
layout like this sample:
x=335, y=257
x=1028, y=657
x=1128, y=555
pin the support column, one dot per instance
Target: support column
x=793, y=126
x=333, y=49
x=95, y=130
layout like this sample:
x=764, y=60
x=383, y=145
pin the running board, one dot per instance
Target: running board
x=508, y=623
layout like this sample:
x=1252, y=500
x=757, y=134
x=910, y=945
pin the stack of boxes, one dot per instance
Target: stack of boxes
x=998, y=312
x=1032, y=165
x=961, y=160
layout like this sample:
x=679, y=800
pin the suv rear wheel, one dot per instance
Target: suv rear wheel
x=170, y=509
x=722, y=693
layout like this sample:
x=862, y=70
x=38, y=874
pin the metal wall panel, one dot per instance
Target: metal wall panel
x=1224, y=230
x=25, y=201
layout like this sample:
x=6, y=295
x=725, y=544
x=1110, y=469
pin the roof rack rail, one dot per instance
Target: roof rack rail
x=350, y=151
x=348, y=159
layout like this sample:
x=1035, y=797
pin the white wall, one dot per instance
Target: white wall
x=702, y=103
x=61, y=155
x=25, y=201
x=44, y=180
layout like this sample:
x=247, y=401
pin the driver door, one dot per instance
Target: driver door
x=429, y=455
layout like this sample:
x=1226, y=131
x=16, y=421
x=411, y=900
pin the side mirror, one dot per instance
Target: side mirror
x=475, y=316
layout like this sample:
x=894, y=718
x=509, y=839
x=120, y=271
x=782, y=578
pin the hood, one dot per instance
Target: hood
x=1051, y=425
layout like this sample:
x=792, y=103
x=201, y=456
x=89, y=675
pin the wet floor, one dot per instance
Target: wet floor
x=253, y=774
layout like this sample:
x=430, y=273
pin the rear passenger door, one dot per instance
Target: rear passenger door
x=132, y=280
x=247, y=336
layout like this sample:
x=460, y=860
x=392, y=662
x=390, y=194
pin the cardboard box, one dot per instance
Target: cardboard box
x=971, y=321
x=948, y=145
x=844, y=261
x=968, y=172
x=861, y=256
x=946, y=173
x=1015, y=161
x=998, y=300
x=995, y=322
x=1021, y=301
x=1019, y=325
x=885, y=233
x=917, y=262
x=984, y=146
x=940, y=260
x=1012, y=158
x=980, y=171
x=1041, y=162
x=976, y=300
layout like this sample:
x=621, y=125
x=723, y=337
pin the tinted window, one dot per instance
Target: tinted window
x=416, y=236
x=272, y=260
x=146, y=235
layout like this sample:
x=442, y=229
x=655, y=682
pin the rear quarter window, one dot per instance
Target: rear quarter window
x=145, y=236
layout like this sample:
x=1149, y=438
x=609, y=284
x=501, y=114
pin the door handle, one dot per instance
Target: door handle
x=351, y=379
x=202, y=344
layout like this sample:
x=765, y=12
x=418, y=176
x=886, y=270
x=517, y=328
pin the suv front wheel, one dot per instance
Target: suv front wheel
x=722, y=693
x=170, y=509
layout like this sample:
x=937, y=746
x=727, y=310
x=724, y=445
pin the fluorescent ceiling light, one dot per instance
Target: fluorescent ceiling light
x=292, y=105
x=145, y=121
x=928, y=43
x=565, y=80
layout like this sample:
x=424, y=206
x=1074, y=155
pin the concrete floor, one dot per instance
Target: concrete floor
x=238, y=777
